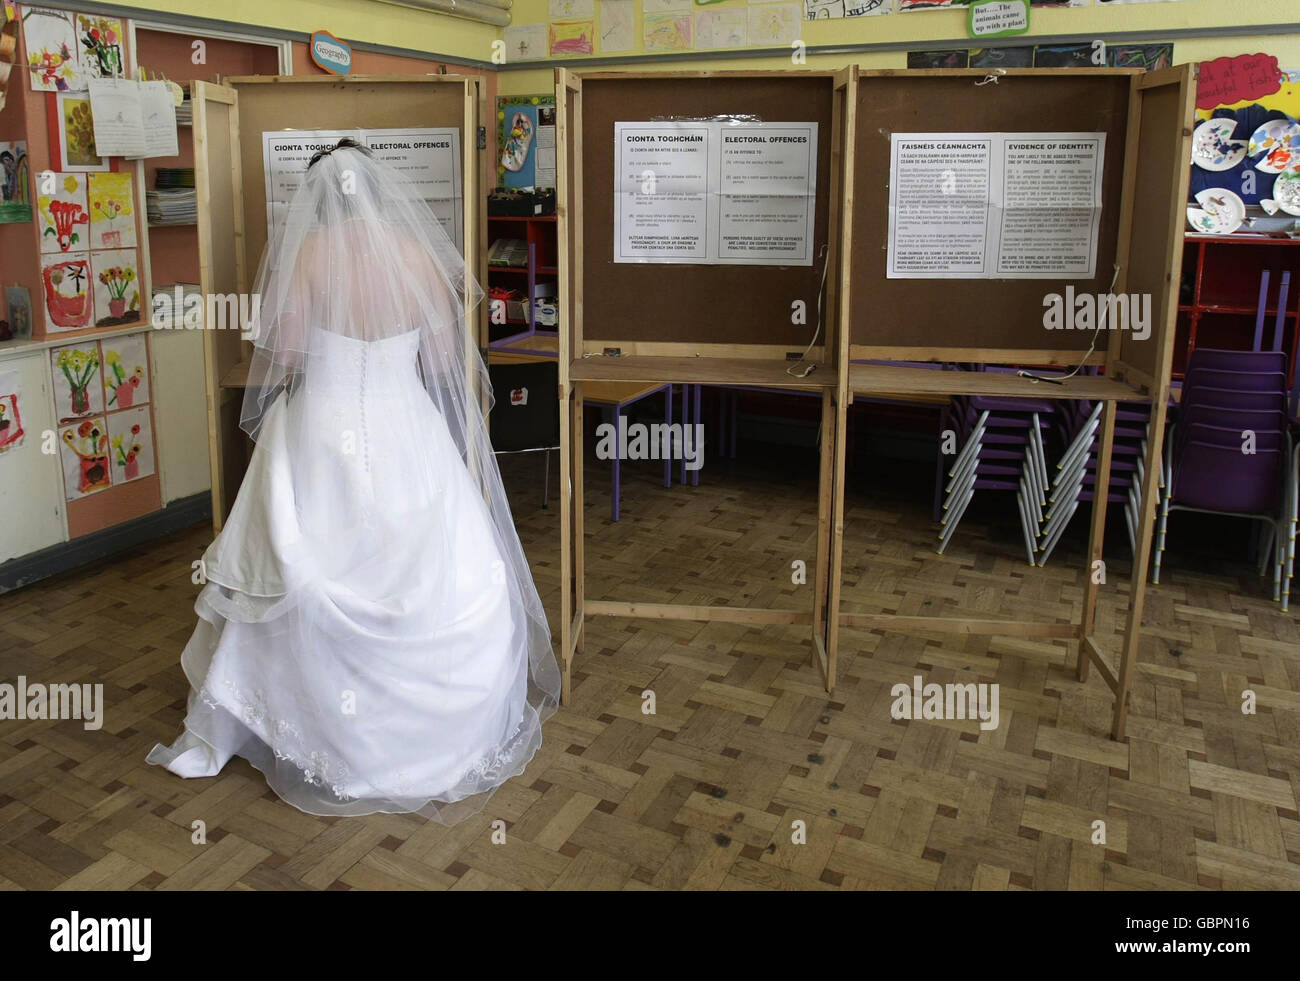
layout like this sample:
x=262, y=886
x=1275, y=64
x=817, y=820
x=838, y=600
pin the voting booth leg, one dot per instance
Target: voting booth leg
x=1141, y=562
x=566, y=550
x=824, y=612
x=1096, y=540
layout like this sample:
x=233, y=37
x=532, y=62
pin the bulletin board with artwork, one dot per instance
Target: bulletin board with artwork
x=526, y=141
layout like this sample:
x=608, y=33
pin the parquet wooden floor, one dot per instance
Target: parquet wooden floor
x=706, y=792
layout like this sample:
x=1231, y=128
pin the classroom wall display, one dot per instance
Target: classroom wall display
x=774, y=23
x=526, y=42
x=11, y=416
x=101, y=46
x=51, y=42
x=83, y=451
x=111, y=197
x=571, y=37
x=64, y=218
x=130, y=444
x=15, y=182
x=834, y=9
x=617, y=25
x=1092, y=55
x=570, y=9
x=18, y=304
x=116, y=283
x=666, y=32
x=126, y=371
x=78, y=392
x=721, y=29
x=526, y=136
x=76, y=124
x=65, y=281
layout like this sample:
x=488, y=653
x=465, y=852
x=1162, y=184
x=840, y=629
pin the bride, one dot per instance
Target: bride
x=369, y=635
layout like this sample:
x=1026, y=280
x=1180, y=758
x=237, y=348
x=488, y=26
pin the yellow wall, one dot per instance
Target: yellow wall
x=943, y=25
x=376, y=23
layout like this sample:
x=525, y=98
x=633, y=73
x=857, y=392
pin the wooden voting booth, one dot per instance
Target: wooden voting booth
x=229, y=120
x=1147, y=120
x=690, y=324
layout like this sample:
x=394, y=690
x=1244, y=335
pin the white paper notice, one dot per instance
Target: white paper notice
x=118, y=121
x=429, y=158
x=158, y=112
x=994, y=205
x=715, y=193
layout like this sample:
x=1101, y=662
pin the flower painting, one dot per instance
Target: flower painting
x=51, y=50
x=77, y=389
x=126, y=371
x=64, y=218
x=77, y=134
x=101, y=46
x=66, y=281
x=112, y=211
x=83, y=450
x=116, y=281
x=130, y=445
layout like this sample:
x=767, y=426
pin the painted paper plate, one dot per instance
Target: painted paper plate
x=1220, y=213
x=1277, y=144
x=1213, y=147
x=1286, y=192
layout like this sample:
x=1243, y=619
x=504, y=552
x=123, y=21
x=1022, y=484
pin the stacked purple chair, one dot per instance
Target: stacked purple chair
x=1231, y=451
x=1075, y=480
x=1001, y=448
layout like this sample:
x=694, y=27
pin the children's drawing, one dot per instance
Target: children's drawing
x=51, y=50
x=112, y=211
x=66, y=281
x=83, y=450
x=666, y=32
x=15, y=183
x=126, y=372
x=526, y=42
x=77, y=389
x=11, y=417
x=116, y=281
x=101, y=46
x=570, y=37
x=665, y=6
x=18, y=302
x=64, y=218
x=77, y=135
x=721, y=29
x=130, y=444
x=774, y=23
x=570, y=9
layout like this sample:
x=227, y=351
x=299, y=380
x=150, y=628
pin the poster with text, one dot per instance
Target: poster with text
x=428, y=157
x=715, y=192
x=994, y=205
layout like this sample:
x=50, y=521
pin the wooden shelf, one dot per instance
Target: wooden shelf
x=236, y=377
x=877, y=379
x=700, y=371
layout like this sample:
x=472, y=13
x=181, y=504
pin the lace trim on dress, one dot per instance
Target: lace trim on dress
x=321, y=770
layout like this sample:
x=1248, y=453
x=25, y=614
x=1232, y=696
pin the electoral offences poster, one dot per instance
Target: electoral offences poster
x=429, y=158
x=715, y=192
x=994, y=205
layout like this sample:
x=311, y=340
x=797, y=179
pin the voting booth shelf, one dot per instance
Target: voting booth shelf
x=1119, y=146
x=233, y=169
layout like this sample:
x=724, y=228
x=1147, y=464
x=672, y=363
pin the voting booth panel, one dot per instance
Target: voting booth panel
x=997, y=312
x=232, y=123
x=700, y=222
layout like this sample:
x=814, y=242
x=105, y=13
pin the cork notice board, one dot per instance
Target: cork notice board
x=694, y=304
x=993, y=314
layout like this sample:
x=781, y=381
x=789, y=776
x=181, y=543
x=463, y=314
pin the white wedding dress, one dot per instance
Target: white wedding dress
x=366, y=637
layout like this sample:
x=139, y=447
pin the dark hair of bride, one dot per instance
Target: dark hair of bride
x=347, y=143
